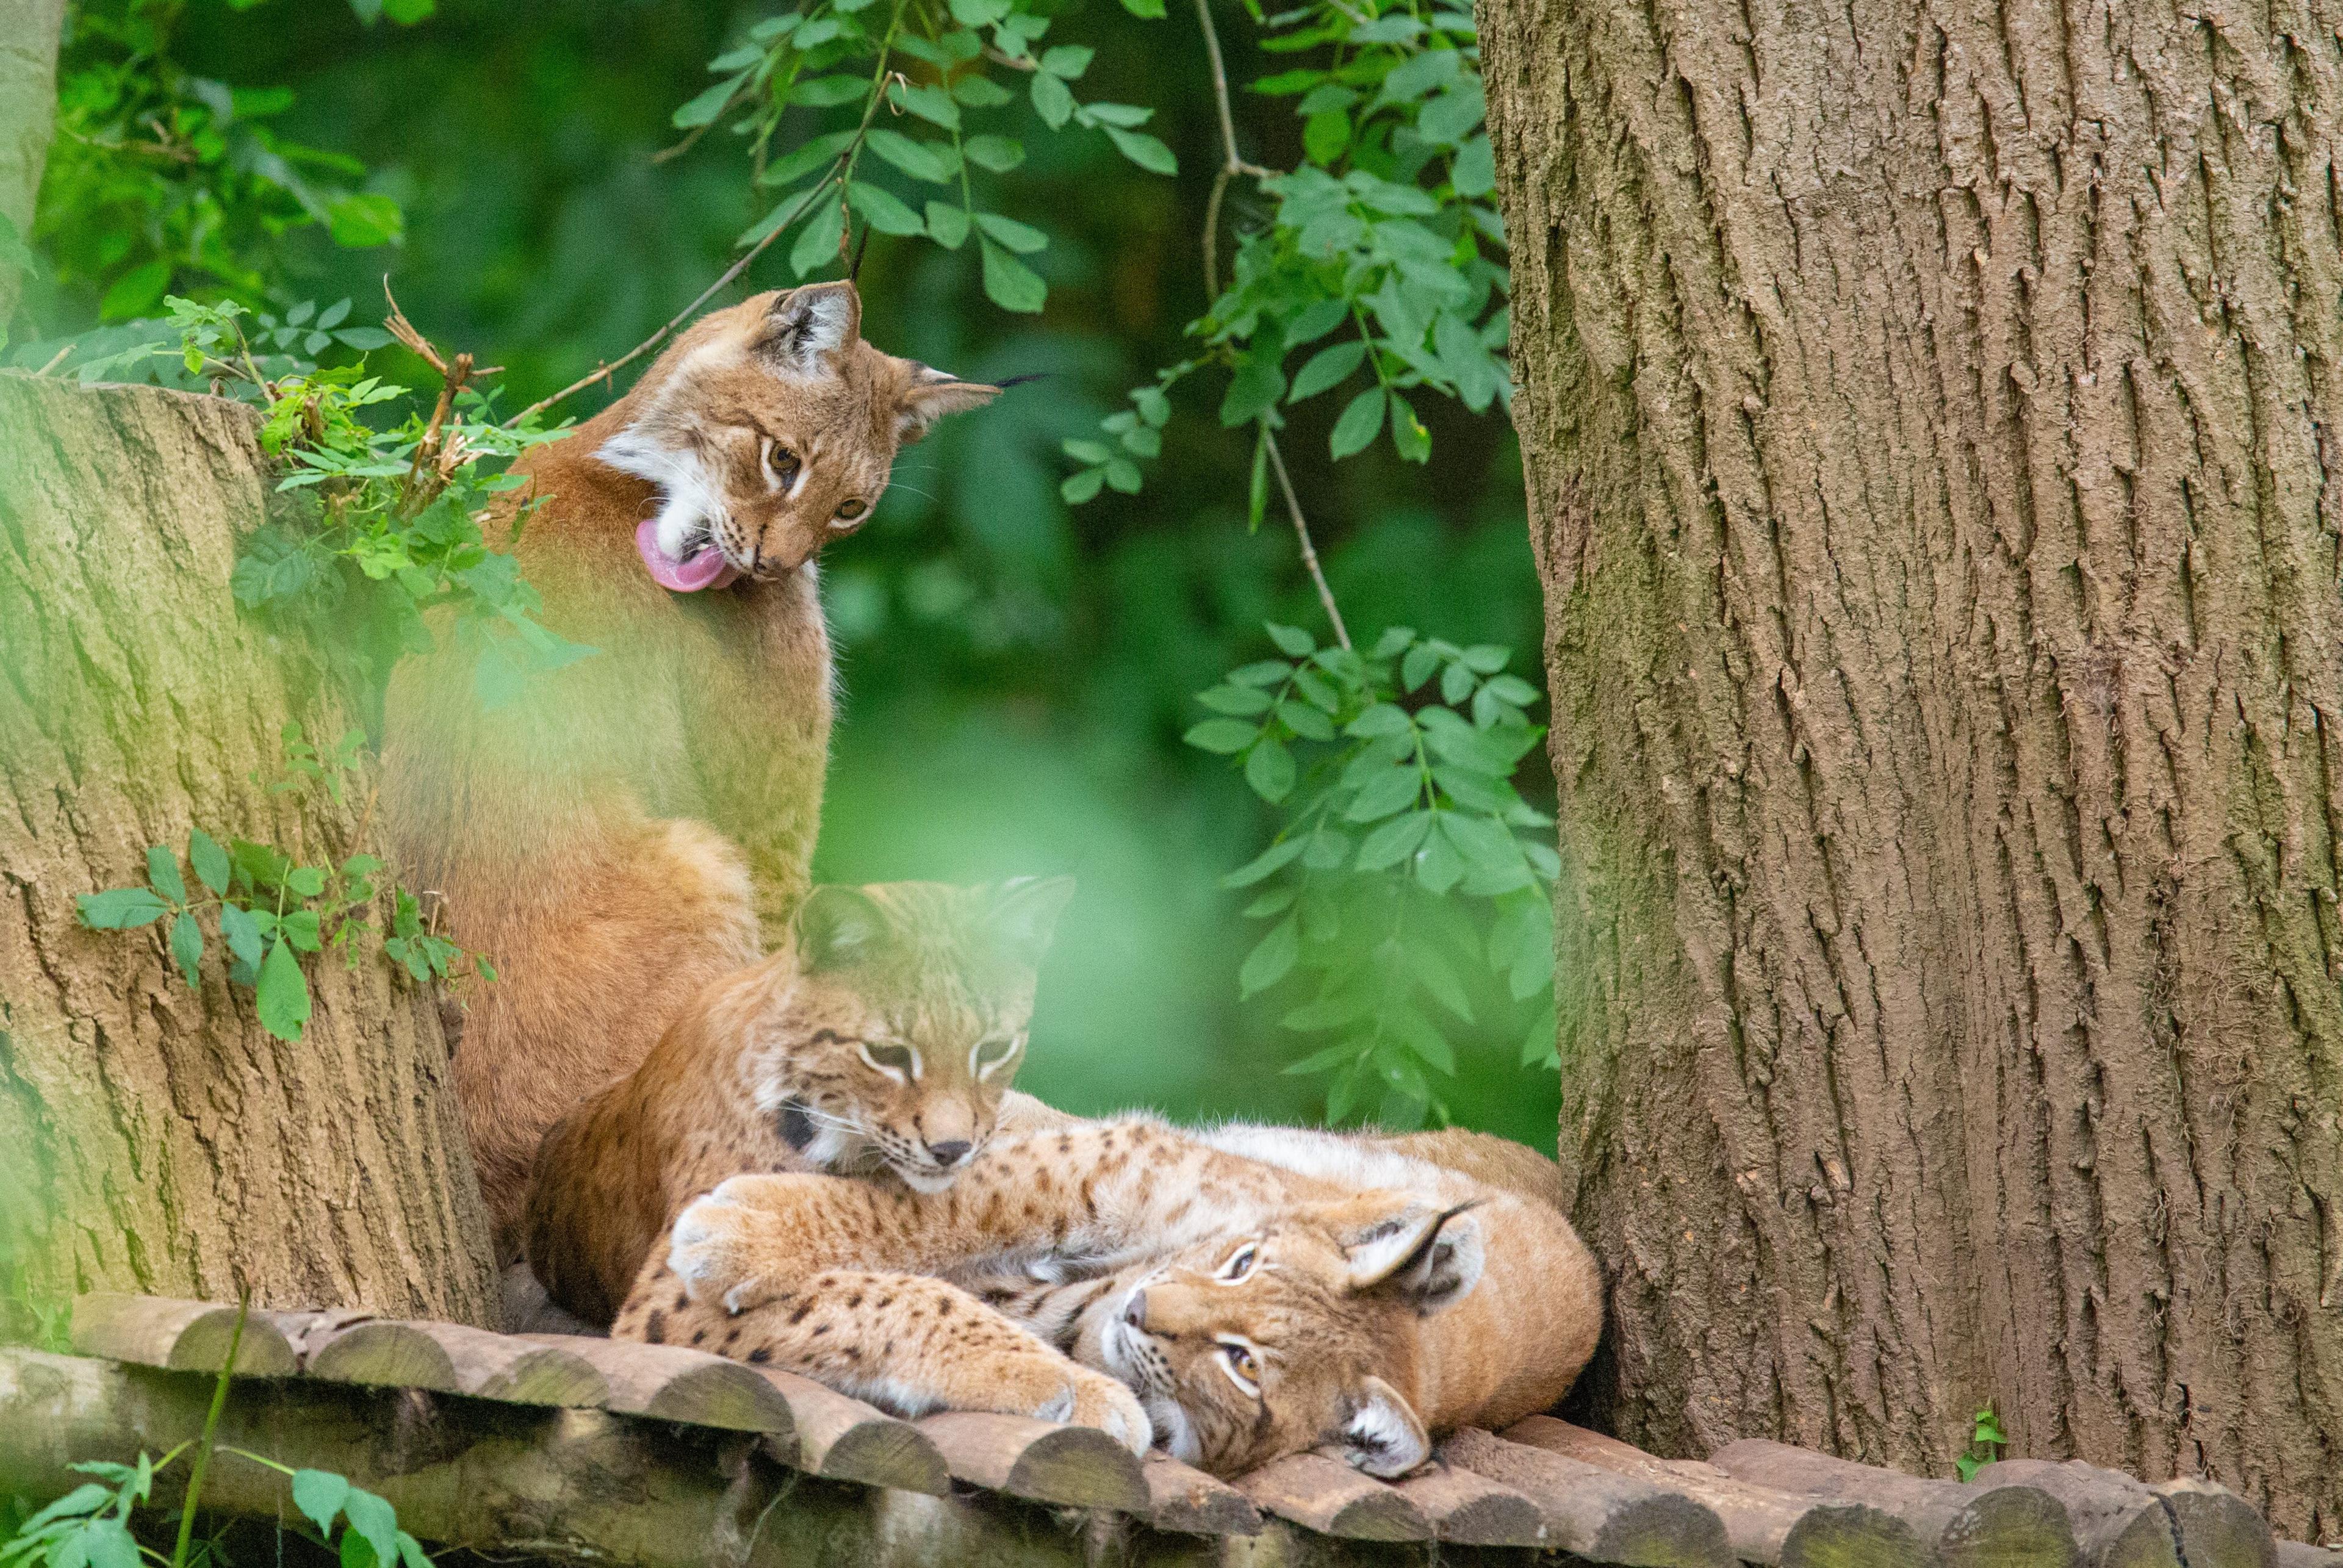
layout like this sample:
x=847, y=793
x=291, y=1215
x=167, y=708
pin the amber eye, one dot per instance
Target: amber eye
x=1243, y=1368
x=1240, y=1264
x=898, y=1060
x=780, y=463
x=851, y=510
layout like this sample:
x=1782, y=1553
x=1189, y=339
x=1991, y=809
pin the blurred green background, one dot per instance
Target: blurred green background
x=1018, y=673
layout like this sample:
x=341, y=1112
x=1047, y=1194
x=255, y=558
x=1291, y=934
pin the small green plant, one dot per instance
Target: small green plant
x=270, y=911
x=89, y=1527
x=1986, y=1442
x=1393, y=769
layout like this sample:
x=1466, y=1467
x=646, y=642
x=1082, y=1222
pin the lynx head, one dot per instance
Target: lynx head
x=890, y=1034
x=771, y=428
x=1247, y=1350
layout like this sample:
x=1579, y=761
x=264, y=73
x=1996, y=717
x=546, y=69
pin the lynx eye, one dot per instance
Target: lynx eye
x=900, y=1062
x=989, y=1054
x=1240, y=1264
x=851, y=510
x=1238, y=1360
x=780, y=464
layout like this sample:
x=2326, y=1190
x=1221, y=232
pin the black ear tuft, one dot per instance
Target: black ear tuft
x=1024, y=915
x=805, y=325
x=839, y=926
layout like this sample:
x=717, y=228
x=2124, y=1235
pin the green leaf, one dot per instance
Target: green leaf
x=1318, y=1060
x=998, y=153
x=1236, y=700
x=979, y=13
x=1147, y=152
x=1266, y=671
x=359, y=221
x=1076, y=488
x=947, y=224
x=282, y=995
x=407, y=13
x=242, y=931
x=921, y=160
x=1051, y=101
x=1409, y=436
x=1475, y=171
x=1009, y=283
x=1439, y=866
x=1266, y=864
x=1966, y=1466
x=1290, y=640
x=1253, y=390
x=932, y=104
x=1151, y=9
x=1270, y=770
x=376, y=1520
x=807, y=156
x=1223, y=737
x=308, y=881
x=1417, y=667
x=885, y=211
x=1451, y=116
x=319, y=1496
x=1360, y=422
x=1394, y=841
x=1068, y=61
x=119, y=909
x=1327, y=368
x=300, y=928
x=1324, y=136
x=1122, y=475
x=703, y=108
x=1257, y=491
x=137, y=292
x=210, y=860
x=1271, y=958
x=107, y=1544
x=1019, y=237
x=187, y=946
x=163, y=874
x=982, y=93
x=1392, y=789
x=817, y=242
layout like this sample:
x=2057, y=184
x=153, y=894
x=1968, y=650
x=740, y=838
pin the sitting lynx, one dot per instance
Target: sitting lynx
x=884, y=1037
x=1264, y=1291
x=640, y=822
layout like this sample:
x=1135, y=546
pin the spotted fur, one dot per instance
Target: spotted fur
x=1315, y=1289
x=882, y=1039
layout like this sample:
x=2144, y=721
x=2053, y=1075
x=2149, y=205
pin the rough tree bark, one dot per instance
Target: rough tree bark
x=1928, y=406
x=155, y=1138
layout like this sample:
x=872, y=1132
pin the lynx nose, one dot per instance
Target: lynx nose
x=1134, y=1311
x=951, y=1151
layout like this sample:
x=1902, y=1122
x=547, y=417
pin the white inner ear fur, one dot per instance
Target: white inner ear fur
x=691, y=500
x=1382, y=1436
x=812, y=328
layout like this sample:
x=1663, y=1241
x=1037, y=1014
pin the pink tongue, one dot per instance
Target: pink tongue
x=705, y=568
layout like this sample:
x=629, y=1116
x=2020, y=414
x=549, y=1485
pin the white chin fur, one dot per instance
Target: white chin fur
x=690, y=501
x=929, y=1182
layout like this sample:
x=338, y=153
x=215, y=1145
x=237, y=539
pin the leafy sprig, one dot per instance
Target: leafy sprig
x=1393, y=769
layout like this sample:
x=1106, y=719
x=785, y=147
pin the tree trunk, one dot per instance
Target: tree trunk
x=1927, y=411
x=28, y=102
x=155, y=1138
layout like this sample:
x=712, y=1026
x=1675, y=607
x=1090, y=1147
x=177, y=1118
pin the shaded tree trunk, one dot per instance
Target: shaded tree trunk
x=1928, y=409
x=155, y=1138
x=28, y=101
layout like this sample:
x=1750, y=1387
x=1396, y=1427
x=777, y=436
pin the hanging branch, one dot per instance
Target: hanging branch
x=1232, y=166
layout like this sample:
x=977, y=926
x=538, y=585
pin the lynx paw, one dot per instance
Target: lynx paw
x=1093, y=1400
x=714, y=1244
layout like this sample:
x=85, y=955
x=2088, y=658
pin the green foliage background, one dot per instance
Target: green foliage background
x=1018, y=672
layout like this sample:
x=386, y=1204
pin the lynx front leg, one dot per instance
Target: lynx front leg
x=910, y=1344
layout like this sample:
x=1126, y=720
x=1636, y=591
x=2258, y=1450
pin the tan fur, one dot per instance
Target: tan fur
x=1373, y=1314
x=784, y=1066
x=640, y=822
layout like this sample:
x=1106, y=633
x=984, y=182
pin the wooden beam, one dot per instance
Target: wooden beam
x=1779, y=1529
x=182, y=1336
x=1077, y=1466
x=1962, y=1526
x=1594, y=1514
x=1333, y=1499
x=1183, y=1499
x=1474, y=1511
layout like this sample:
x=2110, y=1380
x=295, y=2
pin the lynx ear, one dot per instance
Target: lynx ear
x=1024, y=915
x=804, y=325
x=932, y=394
x=1430, y=1257
x=838, y=925
x=1379, y=1433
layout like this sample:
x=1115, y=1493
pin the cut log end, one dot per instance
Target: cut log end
x=178, y=1336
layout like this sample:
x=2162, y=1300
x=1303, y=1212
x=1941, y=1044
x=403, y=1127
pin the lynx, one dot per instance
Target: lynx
x=640, y=822
x=882, y=1040
x=1233, y=1295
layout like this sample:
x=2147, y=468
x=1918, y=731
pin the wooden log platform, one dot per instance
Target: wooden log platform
x=657, y=1456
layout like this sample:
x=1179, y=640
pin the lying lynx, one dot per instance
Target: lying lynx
x=1262, y=1291
x=640, y=822
x=883, y=1036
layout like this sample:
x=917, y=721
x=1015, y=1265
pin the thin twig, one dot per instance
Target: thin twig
x=429, y=458
x=54, y=360
x=1302, y=537
x=724, y=279
x=1232, y=164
